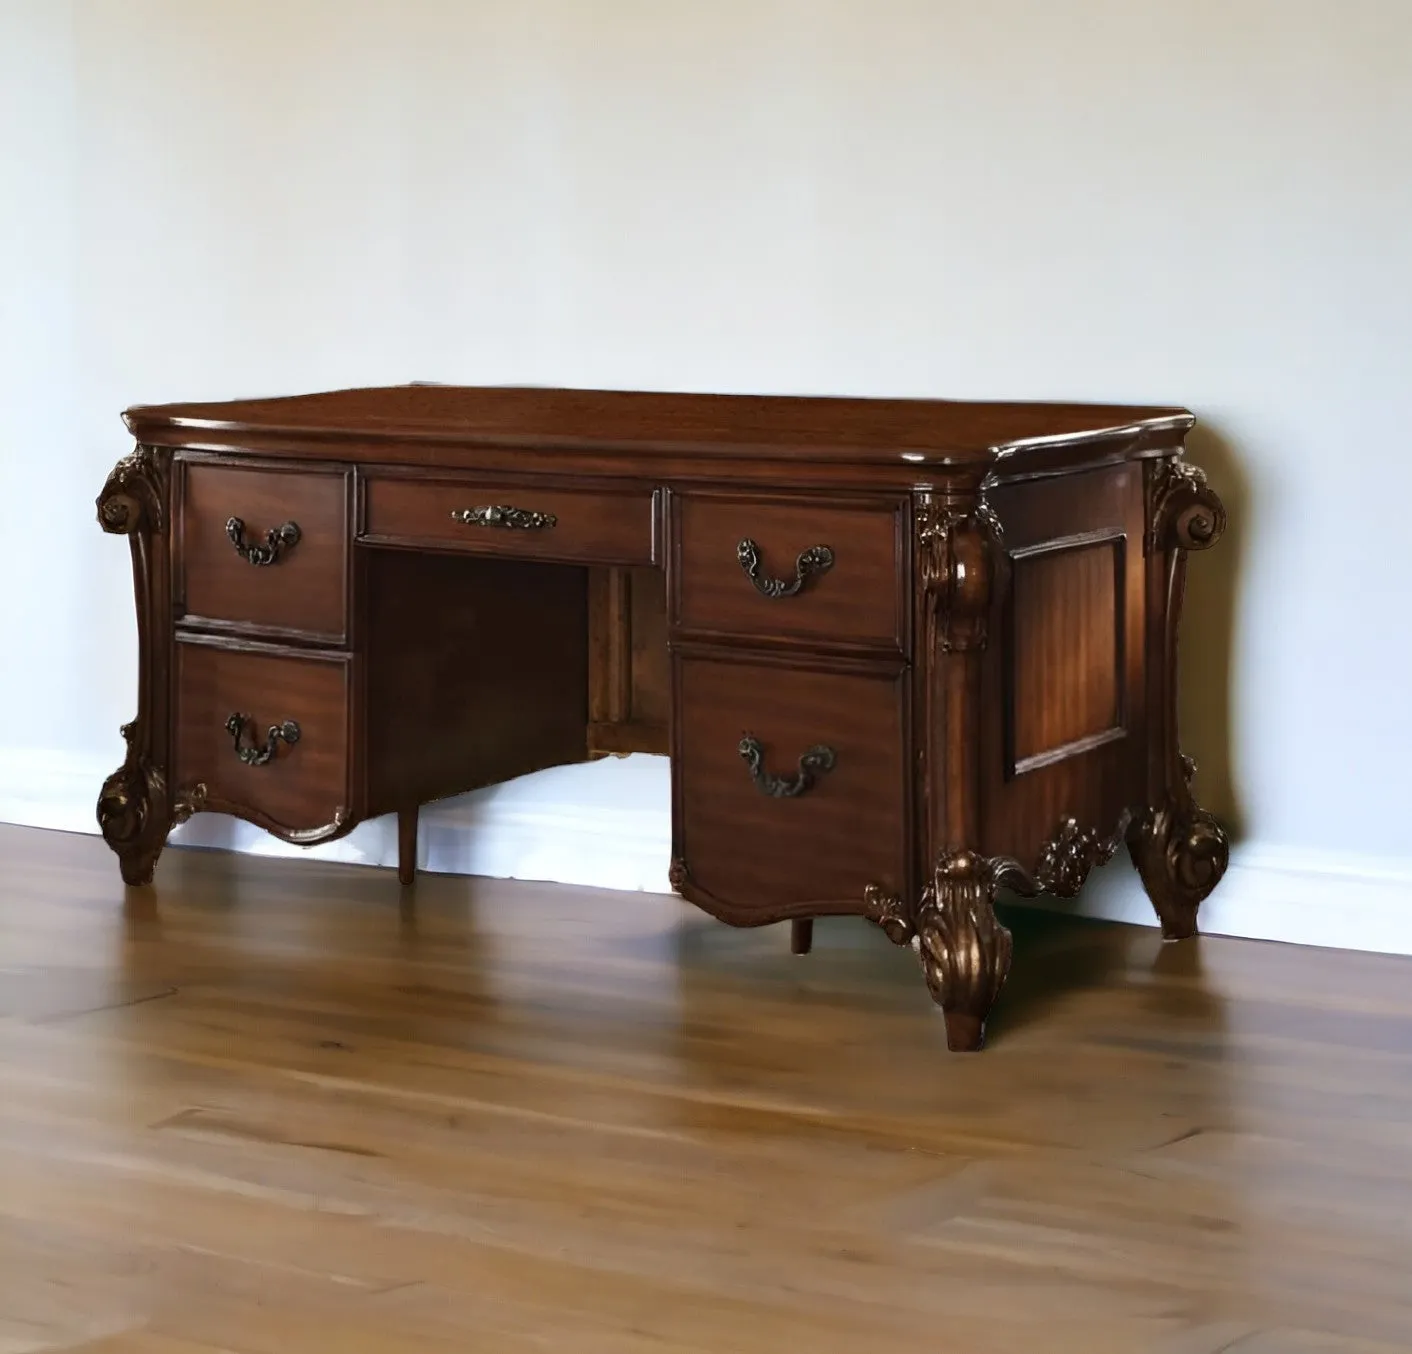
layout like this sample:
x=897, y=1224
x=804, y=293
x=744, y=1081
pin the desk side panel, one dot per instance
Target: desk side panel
x=1065, y=716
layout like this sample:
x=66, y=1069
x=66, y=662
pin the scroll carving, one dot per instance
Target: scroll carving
x=1065, y=861
x=135, y=809
x=953, y=544
x=889, y=912
x=134, y=497
x=1186, y=513
x=132, y=813
x=1181, y=853
x=965, y=951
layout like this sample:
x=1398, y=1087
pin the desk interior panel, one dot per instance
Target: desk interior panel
x=476, y=672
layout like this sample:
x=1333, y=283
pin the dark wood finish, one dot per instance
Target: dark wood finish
x=476, y=673
x=903, y=433
x=752, y=858
x=407, y=844
x=920, y=651
x=304, y=592
x=801, y=935
x=303, y=791
x=627, y=666
x=578, y=527
x=861, y=597
x=1066, y=669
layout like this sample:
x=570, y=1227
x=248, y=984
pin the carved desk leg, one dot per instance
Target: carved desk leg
x=1179, y=849
x=135, y=807
x=965, y=951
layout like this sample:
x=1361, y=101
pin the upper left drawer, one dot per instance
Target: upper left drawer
x=264, y=548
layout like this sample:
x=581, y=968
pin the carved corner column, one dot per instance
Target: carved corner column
x=135, y=807
x=1179, y=849
x=965, y=951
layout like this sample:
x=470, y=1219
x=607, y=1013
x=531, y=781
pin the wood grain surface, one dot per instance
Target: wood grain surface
x=267, y=1110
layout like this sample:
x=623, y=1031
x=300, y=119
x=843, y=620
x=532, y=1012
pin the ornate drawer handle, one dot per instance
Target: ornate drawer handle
x=497, y=515
x=813, y=763
x=277, y=541
x=817, y=559
x=255, y=755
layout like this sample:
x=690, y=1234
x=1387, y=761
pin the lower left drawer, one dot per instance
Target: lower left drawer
x=267, y=734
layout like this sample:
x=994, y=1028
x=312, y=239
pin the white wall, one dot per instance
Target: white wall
x=1199, y=201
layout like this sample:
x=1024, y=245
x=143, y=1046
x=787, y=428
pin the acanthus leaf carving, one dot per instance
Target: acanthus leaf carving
x=1181, y=853
x=954, y=541
x=889, y=912
x=134, y=494
x=964, y=950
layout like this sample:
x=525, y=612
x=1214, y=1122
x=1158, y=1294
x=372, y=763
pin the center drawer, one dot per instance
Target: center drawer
x=491, y=517
x=826, y=569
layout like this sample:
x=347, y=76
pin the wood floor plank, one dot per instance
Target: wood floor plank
x=275, y=1106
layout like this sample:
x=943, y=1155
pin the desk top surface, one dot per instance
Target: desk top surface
x=885, y=431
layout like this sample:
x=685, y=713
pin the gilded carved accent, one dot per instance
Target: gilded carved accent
x=188, y=801
x=1186, y=514
x=953, y=554
x=1065, y=860
x=888, y=911
x=132, y=812
x=964, y=950
x=1181, y=853
x=134, y=496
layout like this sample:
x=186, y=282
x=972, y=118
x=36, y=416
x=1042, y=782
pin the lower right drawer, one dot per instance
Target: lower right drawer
x=789, y=784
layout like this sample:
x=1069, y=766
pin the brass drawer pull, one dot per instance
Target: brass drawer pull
x=812, y=764
x=278, y=540
x=817, y=559
x=254, y=755
x=497, y=515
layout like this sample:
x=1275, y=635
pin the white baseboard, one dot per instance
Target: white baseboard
x=607, y=824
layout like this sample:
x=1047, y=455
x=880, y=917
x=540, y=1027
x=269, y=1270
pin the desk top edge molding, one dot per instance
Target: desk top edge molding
x=902, y=435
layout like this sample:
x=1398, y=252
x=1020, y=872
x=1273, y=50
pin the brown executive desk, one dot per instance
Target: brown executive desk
x=902, y=653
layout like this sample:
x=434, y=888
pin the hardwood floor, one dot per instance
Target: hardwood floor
x=265, y=1108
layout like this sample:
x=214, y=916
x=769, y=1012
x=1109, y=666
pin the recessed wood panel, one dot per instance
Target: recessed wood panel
x=1066, y=668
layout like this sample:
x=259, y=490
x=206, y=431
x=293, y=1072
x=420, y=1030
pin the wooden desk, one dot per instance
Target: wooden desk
x=902, y=653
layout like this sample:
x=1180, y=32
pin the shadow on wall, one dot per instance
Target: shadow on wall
x=1206, y=670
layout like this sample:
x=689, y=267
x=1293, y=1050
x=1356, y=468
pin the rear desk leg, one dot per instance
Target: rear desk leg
x=407, y=845
x=1179, y=849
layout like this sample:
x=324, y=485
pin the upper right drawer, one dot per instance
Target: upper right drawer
x=827, y=569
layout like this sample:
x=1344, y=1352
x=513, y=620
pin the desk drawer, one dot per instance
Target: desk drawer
x=825, y=569
x=267, y=734
x=789, y=791
x=264, y=547
x=497, y=518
